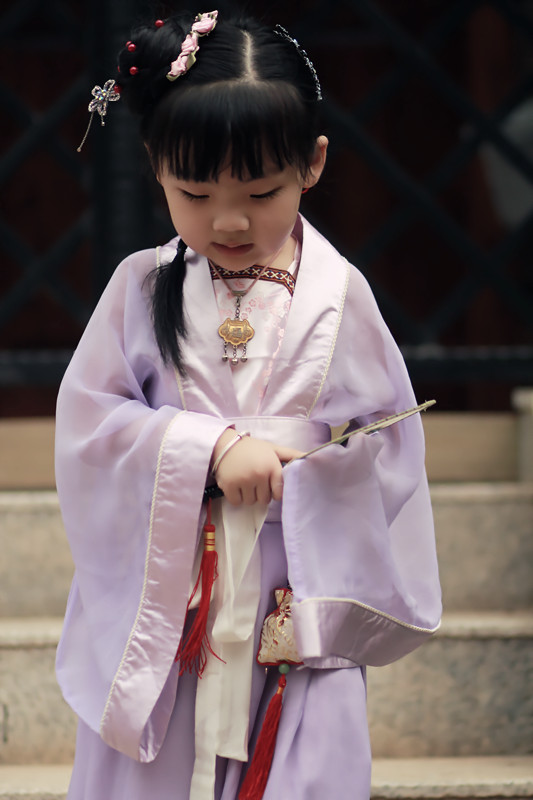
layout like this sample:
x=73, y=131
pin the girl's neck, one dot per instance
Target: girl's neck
x=285, y=256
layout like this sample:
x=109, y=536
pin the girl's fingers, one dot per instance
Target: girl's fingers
x=264, y=493
x=277, y=487
x=251, y=471
x=249, y=495
x=233, y=495
x=287, y=453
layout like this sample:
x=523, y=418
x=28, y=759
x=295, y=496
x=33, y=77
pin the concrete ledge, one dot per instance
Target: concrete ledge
x=522, y=402
x=27, y=453
x=485, y=544
x=34, y=782
x=43, y=632
x=36, y=566
x=392, y=779
x=483, y=530
x=22, y=633
x=36, y=725
x=460, y=447
x=471, y=446
x=478, y=625
x=466, y=692
x=481, y=492
x=439, y=778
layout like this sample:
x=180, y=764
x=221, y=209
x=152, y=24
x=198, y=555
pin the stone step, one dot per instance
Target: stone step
x=483, y=535
x=36, y=724
x=485, y=546
x=466, y=692
x=392, y=779
x=34, y=781
x=36, y=566
x=442, y=778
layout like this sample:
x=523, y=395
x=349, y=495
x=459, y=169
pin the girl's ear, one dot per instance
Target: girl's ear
x=318, y=162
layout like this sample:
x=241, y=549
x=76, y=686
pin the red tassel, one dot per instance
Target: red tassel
x=255, y=782
x=194, y=649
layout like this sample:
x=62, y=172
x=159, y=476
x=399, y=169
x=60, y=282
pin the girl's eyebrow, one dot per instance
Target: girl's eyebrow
x=267, y=176
x=256, y=180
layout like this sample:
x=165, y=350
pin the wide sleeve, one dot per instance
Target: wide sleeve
x=131, y=468
x=357, y=520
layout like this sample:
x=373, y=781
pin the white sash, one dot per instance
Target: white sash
x=223, y=693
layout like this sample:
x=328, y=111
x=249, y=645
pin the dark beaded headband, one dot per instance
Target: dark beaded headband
x=281, y=31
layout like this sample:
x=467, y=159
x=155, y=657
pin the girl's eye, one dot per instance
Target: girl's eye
x=193, y=197
x=266, y=195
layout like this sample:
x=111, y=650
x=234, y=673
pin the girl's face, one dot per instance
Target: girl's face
x=239, y=223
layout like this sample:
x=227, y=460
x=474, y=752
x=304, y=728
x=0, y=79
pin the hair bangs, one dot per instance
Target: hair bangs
x=250, y=127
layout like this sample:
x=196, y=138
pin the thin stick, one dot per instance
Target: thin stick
x=372, y=427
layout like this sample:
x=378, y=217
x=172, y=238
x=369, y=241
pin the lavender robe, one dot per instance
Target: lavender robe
x=356, y=540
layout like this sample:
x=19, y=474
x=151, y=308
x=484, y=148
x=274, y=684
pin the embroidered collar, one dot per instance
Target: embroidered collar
x=273, y=275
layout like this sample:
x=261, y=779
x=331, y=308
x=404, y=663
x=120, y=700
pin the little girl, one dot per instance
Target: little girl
x=219, y=357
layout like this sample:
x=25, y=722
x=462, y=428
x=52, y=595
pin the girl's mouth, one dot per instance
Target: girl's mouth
x=233, y=249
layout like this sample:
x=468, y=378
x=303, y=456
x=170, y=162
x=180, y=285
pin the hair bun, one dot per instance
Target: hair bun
x=145, y=60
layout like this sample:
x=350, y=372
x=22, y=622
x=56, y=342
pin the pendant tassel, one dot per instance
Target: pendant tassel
x=256, y=778
x=193, y=650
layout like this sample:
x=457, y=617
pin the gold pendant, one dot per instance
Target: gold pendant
x=237, y=333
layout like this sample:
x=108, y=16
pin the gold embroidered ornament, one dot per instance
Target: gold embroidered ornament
x=277, y=644
x=277, y=649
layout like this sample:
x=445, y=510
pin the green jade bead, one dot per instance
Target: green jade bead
x=284, y=669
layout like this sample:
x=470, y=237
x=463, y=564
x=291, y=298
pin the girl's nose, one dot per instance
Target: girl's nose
x=230, y=220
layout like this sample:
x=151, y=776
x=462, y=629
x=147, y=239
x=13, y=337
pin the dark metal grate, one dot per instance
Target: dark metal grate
x=34, y=277
x=419, y=198
x=418, y=46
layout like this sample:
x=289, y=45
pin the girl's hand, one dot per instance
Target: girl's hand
x=250, y=472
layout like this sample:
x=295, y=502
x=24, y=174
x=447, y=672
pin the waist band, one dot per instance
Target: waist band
x=302, y=434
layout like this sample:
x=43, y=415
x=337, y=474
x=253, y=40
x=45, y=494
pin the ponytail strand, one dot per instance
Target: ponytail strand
x=167, y=308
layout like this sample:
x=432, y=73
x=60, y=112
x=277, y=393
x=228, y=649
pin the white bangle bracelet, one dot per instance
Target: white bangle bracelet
x=227, y=448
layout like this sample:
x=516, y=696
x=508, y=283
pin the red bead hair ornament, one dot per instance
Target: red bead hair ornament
x=159, y=23
x=131, y=47
x=134, y=70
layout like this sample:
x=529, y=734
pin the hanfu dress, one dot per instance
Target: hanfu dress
x=353, y=535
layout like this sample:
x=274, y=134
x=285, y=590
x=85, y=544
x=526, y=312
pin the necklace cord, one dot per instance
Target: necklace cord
x=244, y=292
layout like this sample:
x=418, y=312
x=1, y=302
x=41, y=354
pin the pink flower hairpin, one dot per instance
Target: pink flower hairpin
x=202, y=26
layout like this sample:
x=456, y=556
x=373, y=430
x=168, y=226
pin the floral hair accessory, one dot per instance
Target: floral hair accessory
x=102, y=96
x=202, y=26
x=286, y=35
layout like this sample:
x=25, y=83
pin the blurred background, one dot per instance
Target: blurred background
x=428, y=189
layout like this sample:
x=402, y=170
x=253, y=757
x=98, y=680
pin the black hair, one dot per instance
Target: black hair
x=250, y=100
